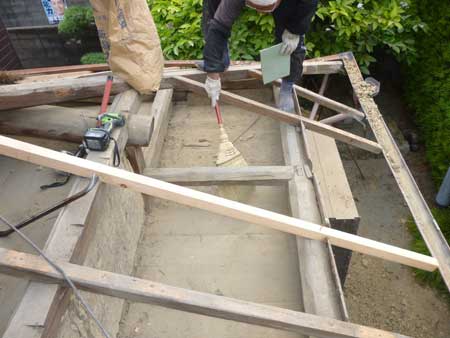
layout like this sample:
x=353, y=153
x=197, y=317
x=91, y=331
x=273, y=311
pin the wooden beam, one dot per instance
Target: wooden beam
x=319, y=289
x=35, y=94
x=148, y=292
x=67, y=124
x=273, y=175
x=193, y=198
x=68, y=241
x=269, y=111
x=425, y=221
x=63, y=90
x=317, y=98
x=310, y=67
x=161, y=107
x=160, y=112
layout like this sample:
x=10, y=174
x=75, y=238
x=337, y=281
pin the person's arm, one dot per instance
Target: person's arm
x=219, y=31
x=301, y=17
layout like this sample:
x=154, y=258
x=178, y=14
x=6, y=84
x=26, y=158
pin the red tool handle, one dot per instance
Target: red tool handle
x=106, y=95
x=218, y=114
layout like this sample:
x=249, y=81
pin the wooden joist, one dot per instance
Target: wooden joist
x=152, y=187
x=203, y=176
x=144, y=291
x=269, y=111
x=425, y=221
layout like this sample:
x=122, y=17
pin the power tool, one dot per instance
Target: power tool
x=98, y=138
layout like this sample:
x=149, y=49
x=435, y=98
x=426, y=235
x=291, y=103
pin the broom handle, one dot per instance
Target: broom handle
x=218, y=114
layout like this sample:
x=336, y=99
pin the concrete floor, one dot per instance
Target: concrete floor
x=20, y=197
x=190, y=248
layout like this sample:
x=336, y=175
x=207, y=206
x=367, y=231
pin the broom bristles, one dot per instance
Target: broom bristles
x=229, y=156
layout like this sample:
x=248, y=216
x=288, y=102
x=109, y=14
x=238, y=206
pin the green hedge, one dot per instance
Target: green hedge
x=428, y=94
x=93, y=58
x=340, y=25
x=434, y=279
x=77, y=22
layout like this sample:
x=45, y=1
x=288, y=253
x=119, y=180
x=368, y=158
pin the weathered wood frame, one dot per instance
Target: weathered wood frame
x=372, y=247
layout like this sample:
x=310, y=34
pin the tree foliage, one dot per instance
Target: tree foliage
x=339, y=25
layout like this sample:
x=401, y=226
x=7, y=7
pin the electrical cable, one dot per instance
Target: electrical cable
x=116, y=156
x=63, y=274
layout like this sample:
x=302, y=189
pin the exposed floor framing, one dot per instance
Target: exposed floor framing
x=325, y=227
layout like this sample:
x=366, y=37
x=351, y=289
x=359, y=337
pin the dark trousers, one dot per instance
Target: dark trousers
x=297, y=57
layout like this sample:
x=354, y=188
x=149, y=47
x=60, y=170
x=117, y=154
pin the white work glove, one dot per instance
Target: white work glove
x=213, y=88
x=290, y=42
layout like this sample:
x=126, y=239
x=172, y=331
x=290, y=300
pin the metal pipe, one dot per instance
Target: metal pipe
x=443, y=196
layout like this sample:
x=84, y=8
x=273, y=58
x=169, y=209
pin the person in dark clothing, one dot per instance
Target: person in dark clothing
x=292, y=21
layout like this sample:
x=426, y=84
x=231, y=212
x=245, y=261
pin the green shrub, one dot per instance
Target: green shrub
x=93, y=58
x=339, y=25
x=434, y=279
x=363, y=25
x=77, y=22
x=427, y=91
x=428, y=86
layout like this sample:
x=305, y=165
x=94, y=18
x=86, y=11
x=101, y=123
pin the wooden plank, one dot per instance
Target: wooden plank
x=273, y=175
x=193, y=198
x=269, y=111
x=35, y=94
x=319, y=291
x=329, y=170
x=320, y=99
x=144, y=291
x=425, y=221
x=64, y=243
x=338, y=205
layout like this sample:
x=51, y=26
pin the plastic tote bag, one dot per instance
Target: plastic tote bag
x=130, y=41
